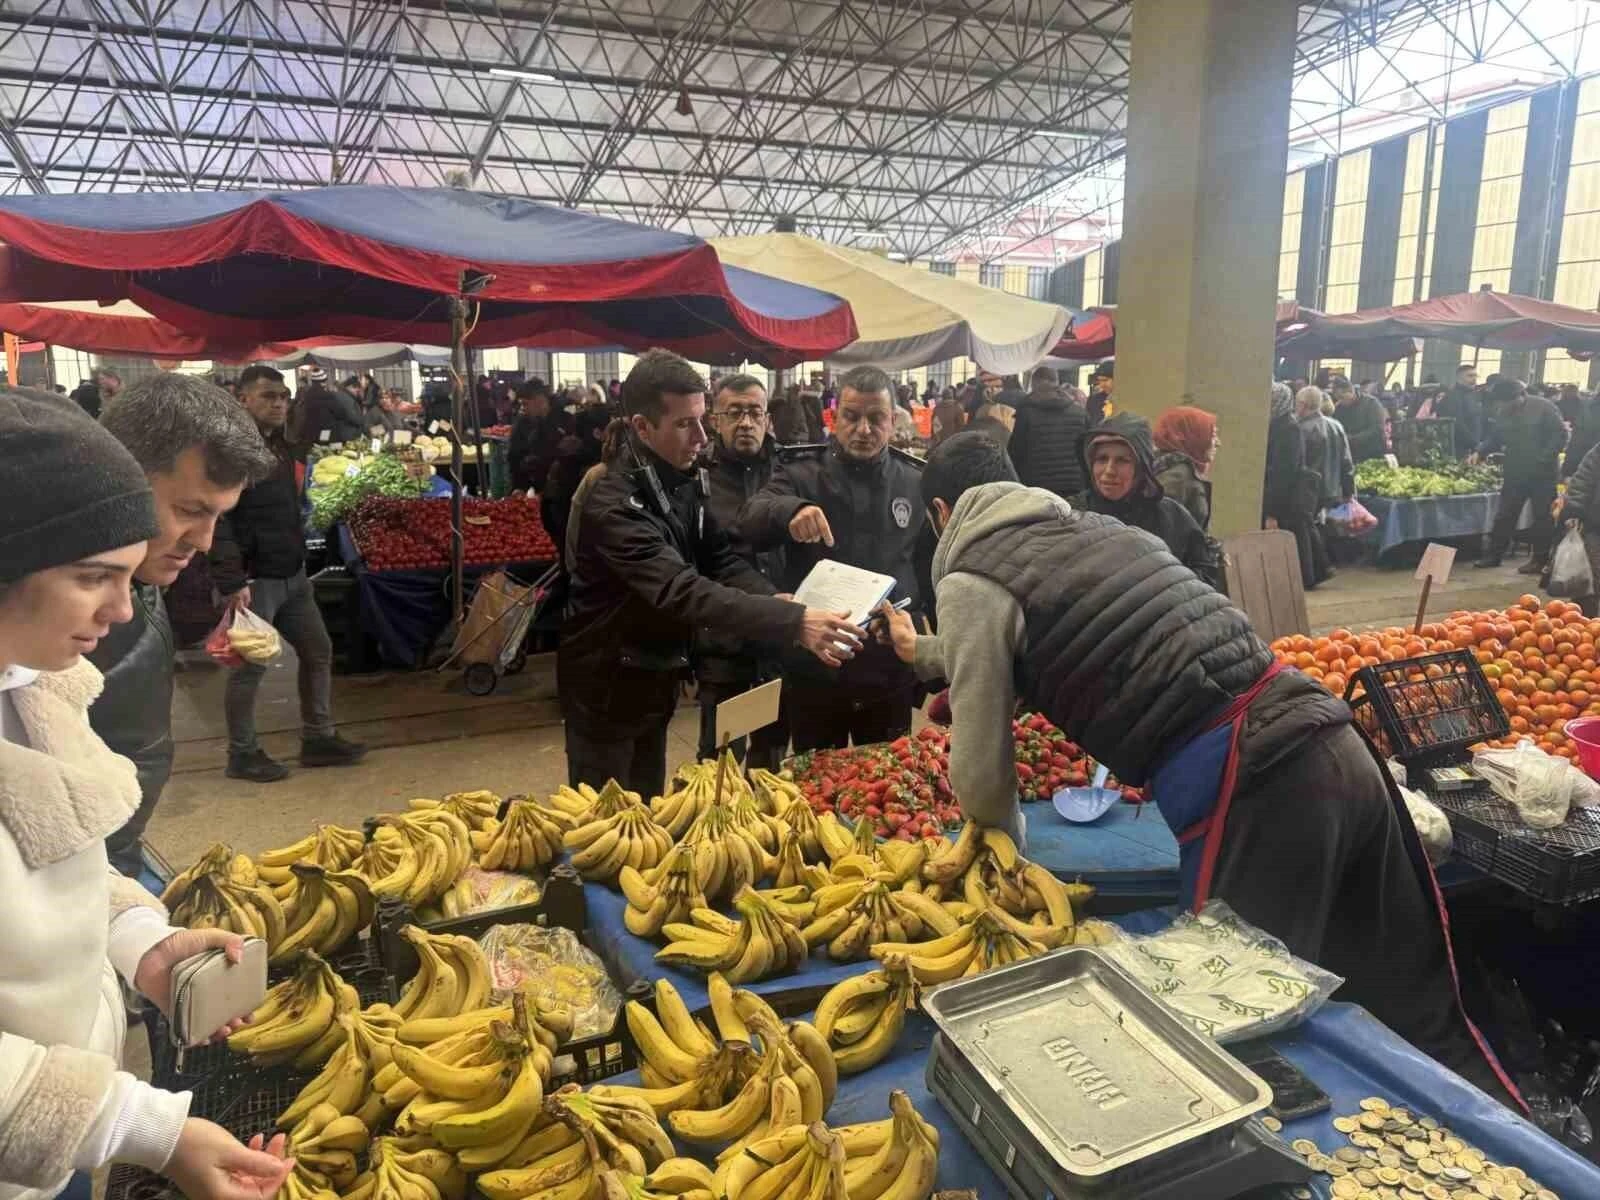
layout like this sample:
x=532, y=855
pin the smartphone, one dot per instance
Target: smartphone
x=1293, y=1093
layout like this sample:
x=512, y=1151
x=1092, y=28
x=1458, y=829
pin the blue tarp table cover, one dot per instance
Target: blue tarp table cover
x=1431, y=518
x=1128, y=854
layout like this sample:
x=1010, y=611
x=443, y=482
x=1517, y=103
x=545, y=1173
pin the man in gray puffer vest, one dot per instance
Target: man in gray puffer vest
x=1279, y=807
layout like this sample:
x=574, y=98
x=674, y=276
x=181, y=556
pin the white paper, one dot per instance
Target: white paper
x=402, y=437
x=1392, y=461
x=325, y=435
x=1436, y=562
x=748, y=711
x=377, y=445
x=839, y=587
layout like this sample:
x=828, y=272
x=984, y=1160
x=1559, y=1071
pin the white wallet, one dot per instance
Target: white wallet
x=208, y=991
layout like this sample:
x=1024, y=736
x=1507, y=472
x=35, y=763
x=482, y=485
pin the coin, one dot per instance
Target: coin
x=1389, y=1177
x=1494, y=1174
x=1304, y=1147
x=1346, y=1124
x=1337, y=1168
x=1365, y=1140
x=1416, y=1150
x=1469, y=1161
x=1375, y=1104
x=1389, y=1159
x=1365, y=1177
x=1415, y=1182
x=1454, y=1144
x=1514, y=1174
x=1545, y=1194
x=1301, y=1193
x=1273, y=1124
x=1434, y=1192
x=1345, y=1189
x=1318, y=1161
x=1371, y=1121
x=1348, y=1154
x=1457, y=1174
x=1428, y=1123
x=1507, y=1191
x=1397, y=1140
x=1428, y=1166
x=1401, y=1115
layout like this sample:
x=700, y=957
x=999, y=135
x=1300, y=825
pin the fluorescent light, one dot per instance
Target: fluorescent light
x=1070, y=135
x=519, y=73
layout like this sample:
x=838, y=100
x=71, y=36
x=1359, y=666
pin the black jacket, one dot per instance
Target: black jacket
x=534, y=447
x=1532, y=436
x=133, y=714
x=1585, y=436
x=1129, y=653
x=1464, y=407
x=264, y=536
x=1363, y=421
x=87, y=397
x=719, y=657
x=645, y=579
x=333, y=410
x=1175, y=472
x=1145, y=506
x=1044, y=442
x=1282, y=497
x=875, y=511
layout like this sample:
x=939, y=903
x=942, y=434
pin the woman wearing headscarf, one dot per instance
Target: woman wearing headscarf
x=1120, y=461
x=1291, y=492
x=1186, y=442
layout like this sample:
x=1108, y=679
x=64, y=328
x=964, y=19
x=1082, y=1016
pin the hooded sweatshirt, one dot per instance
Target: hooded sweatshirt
x=1146, y=506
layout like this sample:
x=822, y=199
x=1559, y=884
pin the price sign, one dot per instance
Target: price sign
x=1436, y=562
x=1394, y=463
x=325, y=435
x=433, y=427
x=402, y=437
x=748, y=712
x=377, y=445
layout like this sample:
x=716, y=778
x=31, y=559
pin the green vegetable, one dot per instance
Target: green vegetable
x=385, y=475
x=1375, y=478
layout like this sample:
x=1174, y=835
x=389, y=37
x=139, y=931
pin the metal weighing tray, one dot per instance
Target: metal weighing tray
x=1065, y=1060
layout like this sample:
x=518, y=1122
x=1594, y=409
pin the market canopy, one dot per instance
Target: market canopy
x=1093, y=334
x=908, y=316
x=1491, y=320
x=376, y=264
x=124, y=328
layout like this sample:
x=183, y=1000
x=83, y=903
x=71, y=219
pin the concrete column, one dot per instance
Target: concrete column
x=1208, y=125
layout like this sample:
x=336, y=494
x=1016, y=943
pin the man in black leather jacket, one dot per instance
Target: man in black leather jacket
x=652, y=565
x=738, y=465
x=199, y=450
x=856, y=500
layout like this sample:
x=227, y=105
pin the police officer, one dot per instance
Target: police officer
x=856, y=500
x=738, y=465
x=653, y=564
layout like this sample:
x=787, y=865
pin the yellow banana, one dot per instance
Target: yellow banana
x=515, y=1111
x=679, y=1025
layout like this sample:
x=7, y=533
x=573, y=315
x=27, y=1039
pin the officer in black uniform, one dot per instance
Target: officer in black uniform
x=652, y=565
x=739, y=463
x=856, y=500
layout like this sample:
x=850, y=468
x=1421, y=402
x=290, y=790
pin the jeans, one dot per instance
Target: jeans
x=638, y=761
x=291, y=607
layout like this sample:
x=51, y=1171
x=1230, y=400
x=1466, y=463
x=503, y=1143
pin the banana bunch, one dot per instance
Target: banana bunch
x=606, y=844
x=404, y=1169
x=326, y=1143
x=487, y=1127
x=837, y=839
x=675, y=1179
x=793, y=870
x=855, y=914
x=331, y=847
x=797, y=814
x=297, y=1020
x=667, y=893
x=775, y=791
x=691, y=790
x=223, y=891
x=323, y=911
x=727, y=856
x=415, y=856
x=984, y=870
x=254, y=645
x=474, y=809
x=576, y=802
x=579, y=1142
x=896, y=1159
x=759, y=944
x=861, y=1017
x=452, y=976
x=345, y=1079
x=302, y=1183
x=529, y=836
x=767, y=831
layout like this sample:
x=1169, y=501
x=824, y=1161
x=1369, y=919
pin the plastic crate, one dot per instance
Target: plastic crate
x=1428, y=709
x=562, y=906
x=1555, y=866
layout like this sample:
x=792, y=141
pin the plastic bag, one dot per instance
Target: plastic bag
x=1227, y=978
x=1569, y=567
x=476, y=890
x=217, y=644
x=552, y=964
x=242, y=637
x=1538, y=785
x=1433, y=827
x=1351, y=518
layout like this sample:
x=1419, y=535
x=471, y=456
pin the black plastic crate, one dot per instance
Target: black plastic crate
x=1424, y=719
x=1555, y=866
x=561, y=906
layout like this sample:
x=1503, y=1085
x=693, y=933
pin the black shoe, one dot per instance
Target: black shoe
x=256, y=766
x=1492, y=560
x=1532, y=567
x=332, y=751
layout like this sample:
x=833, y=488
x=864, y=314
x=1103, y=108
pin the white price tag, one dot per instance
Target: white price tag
x=325, y=435
x=352, y=471
x=1394, y=463
x=377, y=445
x=433, y=427
x=1436, y=562
x=402, y=437
x=745, y=713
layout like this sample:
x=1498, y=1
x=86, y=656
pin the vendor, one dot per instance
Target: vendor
x=1120, y=460
x=1280, y=807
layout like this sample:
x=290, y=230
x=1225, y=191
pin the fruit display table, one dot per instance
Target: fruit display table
x=1431, y=518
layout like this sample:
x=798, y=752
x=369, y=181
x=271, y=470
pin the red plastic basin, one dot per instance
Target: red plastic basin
x=1585, y=735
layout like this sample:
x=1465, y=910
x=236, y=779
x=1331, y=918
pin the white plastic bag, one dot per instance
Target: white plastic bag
x=1569, y=567
x=1433, y=827
x=1538, y=785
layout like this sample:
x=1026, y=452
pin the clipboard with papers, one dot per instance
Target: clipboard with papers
x=839, y=587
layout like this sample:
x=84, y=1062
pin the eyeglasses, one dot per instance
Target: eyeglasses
x=736, y=413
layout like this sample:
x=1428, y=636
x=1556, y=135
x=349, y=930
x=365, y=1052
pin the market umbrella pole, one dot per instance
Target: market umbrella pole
x=458, y=368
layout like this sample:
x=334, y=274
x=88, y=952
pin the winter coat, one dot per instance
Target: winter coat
x=1114, y=640
x=264, y=536
x=1585, y=436
x=1464, y=406
x=644, y=579
x=719, y=656
x=133, y=715
x=1582, y=503
x=1145, y=506
x=333, y=411
x=1180, y=480
x=1284, y=497
x=1327, y=452
x=1531, y=434
x=1363, y=420
x=533, y=449
x=1044, y=442
x=73, y=926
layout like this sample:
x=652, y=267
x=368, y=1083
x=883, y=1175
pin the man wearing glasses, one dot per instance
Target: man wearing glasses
x=739, y=464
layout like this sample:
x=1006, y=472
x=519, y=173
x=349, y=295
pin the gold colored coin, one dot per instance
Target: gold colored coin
x=1470, y=1162
x=1389, y=1158
x=1454, y=1144
x=1428, y=1166
x=1273, y=1124
x=1401, y=1115
x=1304, y=1147
x=1365, y=1140
x=1397, y=1140
x=1348, y=1154
x=1345, y=1189
x=1389, y=1177
x=1371, y=1121
x=1434, y=1192
x=1428, y=1123
x=1415, y=1182
x=1545, y=1194
x=1494, y=1174
x=1507, y=1190
x=1416, y=1150
x=1337, y=1168
x=1318, y=1161
x=1375, y=1104
x=1346, y=1124
x=1484, y=1187
x=1514, y=1174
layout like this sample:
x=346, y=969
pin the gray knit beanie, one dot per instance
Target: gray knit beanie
x=68, y=490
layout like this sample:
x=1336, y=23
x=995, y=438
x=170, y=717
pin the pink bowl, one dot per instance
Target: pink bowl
x=1585, y=735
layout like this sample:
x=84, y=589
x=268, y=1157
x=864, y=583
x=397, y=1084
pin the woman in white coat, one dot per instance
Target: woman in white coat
x=75, y=512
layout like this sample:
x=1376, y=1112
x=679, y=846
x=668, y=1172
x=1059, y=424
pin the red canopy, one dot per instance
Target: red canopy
x=1093, y=334
x=1495, y=320
x=124, y=328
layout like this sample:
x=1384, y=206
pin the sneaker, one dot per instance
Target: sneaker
x=1532, y=567
x=1491, y=560
x=331, y=751
x=256, y=766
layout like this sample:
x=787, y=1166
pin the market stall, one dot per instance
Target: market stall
x=1420, y=504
